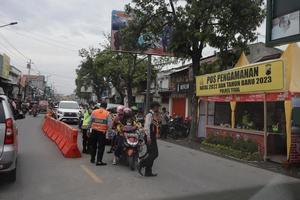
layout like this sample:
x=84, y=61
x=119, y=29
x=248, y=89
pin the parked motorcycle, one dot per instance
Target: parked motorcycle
x=179, y=127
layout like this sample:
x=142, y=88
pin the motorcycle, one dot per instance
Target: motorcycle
x=179, y=127
x=133, y=141
x=34, y=112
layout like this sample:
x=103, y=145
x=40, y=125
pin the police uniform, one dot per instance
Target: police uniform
x=99, y=124
x=151, y=128
x=84, y=128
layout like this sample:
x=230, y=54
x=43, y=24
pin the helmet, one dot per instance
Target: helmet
x=120, y=109
x=134, y=108
x=127, y=112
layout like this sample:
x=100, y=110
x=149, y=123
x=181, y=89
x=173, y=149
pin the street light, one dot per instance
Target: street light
x=10, y=24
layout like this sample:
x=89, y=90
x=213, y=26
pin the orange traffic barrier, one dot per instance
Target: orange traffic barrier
x=63, y=135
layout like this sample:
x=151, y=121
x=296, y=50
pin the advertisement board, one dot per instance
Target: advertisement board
x=4, y=66
x=283, y=22
x=260, y=77
x=120, y=21
x=183, y=87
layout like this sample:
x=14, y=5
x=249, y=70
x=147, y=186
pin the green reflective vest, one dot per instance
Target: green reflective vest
x=86, y=119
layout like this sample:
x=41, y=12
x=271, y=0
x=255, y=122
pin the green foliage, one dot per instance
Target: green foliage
x=247, y=146
x=102, y=68
x=222, y=24
x=229, y=151
x=90, y=74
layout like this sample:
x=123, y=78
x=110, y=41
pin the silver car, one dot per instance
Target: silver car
x=8, y=140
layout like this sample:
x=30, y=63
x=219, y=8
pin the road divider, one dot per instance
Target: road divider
x=63, y=135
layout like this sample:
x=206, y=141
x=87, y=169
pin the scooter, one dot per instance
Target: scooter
x=132, y=142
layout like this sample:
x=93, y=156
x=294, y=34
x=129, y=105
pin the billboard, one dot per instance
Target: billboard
x=120, y=20
x=4, y=66
x=283, y=22
x=261, y=77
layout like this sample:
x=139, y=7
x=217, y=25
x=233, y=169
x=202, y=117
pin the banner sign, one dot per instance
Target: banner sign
x=120, y=21
x=4, y=66
x=259, y=77
x=183, y=87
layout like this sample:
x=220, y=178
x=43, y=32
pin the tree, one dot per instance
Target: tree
x=197, y=24
x=90, y=73
x=124, y=71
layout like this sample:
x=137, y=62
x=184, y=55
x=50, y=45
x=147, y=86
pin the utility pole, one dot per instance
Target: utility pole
x=29, y=66
x=27, y=84
x=148, y=84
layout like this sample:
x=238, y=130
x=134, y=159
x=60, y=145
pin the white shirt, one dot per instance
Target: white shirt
x=148, y=122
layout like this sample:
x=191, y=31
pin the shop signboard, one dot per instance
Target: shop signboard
x=160, y=46
x=259, y=77
x=283, y=22
x=4, y=66
x=183, y=87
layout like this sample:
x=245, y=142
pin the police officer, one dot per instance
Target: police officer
x=151, y=130
x=84, y=129
x=99, y=123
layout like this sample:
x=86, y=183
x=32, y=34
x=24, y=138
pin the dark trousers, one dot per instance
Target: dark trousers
x=85, y=139
x=164, y=131
x=119, y=145
x=97, y=145
x=152, y=155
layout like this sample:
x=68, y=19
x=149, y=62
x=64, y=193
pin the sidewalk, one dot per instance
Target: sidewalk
x=271, y=166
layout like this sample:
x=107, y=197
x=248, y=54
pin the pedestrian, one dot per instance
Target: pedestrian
x=164, y=123
x=151, y=128
x=99, y=123
x=84, y=130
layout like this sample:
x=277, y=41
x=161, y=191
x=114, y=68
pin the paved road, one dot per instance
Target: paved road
x=44, y=174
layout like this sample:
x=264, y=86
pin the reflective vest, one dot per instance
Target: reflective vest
x=86, y=119
x=100, y=120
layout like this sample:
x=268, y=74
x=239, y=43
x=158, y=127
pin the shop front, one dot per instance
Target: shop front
x=180, y=100
x=258, y=102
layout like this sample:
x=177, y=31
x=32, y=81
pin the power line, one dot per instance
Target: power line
x=53, y=40
x=12, y=55
x=10, y=44
x=42, y=41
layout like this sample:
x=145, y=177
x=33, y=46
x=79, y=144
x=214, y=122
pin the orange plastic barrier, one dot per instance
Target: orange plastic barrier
x=63, y=135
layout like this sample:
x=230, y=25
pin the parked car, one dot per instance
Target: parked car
x=68, y=111
x=8, y=139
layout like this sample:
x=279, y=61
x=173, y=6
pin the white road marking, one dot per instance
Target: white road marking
x=91, y=174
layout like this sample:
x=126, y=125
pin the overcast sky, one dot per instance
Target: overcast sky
x=50, y=32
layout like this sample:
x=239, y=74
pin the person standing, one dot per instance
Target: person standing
x=164, y=123
x=84, y=129
x=99, y=123
x=151, y=128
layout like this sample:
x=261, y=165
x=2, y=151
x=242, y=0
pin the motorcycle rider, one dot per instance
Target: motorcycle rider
x=99, y=123
x=151, y=130
x=84, y=129
x=117, y=120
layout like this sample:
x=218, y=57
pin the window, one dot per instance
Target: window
x=2, y=113
x=222, y=114
x=250, y=115
x=296, y=116
x=275, y=117
x=68, y=105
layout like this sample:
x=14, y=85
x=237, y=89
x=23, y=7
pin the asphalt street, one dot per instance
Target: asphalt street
x=44, y=174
